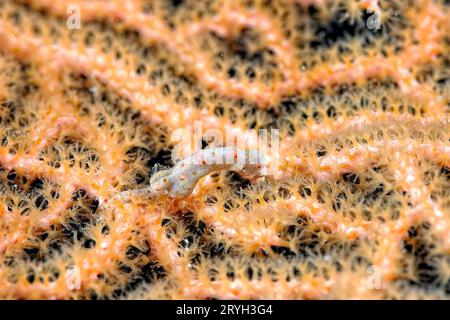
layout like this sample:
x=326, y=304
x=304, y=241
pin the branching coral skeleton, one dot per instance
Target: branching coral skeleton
x=358, y=141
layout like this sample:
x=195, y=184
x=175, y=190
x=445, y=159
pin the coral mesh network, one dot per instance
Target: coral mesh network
x=358, y=208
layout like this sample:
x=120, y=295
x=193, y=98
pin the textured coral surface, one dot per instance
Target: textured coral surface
x=360, y=205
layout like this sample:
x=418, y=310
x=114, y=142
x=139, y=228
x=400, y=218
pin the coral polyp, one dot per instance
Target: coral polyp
x=93, y=92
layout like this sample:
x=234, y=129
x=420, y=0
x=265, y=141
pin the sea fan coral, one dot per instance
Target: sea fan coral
x=359, y=206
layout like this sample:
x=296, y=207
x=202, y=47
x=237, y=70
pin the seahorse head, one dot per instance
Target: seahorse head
x=160, y=180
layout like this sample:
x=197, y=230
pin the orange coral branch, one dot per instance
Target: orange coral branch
x=358, y=138
x=429, y=33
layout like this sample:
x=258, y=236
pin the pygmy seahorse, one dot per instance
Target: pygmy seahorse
x=180, y=180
